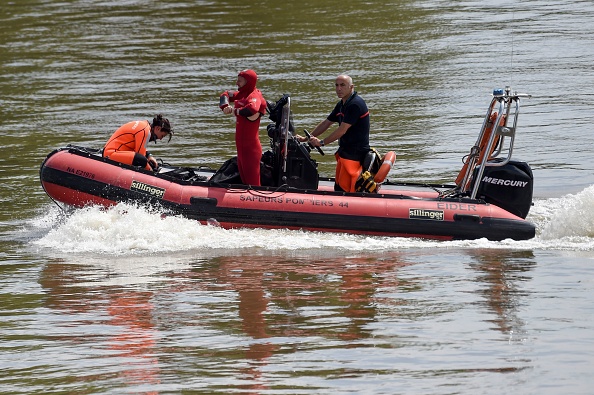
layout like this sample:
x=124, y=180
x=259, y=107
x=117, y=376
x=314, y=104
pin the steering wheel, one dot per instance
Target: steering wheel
x=308, y=135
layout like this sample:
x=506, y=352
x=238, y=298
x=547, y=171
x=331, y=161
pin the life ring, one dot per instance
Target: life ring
x=387, y=163
x=482, y=145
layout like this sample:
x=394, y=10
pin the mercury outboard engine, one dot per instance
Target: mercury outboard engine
x=489, y=173
x=289, y=159
x=509, y=186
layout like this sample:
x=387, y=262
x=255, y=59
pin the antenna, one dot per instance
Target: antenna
x=511, y=58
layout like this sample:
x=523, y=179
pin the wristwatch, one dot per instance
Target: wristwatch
x=322, y=143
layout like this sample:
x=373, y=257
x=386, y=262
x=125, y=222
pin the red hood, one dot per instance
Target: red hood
x=251, y=78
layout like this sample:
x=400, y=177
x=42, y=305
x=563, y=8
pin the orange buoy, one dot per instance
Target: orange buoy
x=482, y=145
x=387, y=163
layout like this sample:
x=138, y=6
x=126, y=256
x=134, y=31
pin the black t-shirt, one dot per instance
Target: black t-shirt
x=354, y=144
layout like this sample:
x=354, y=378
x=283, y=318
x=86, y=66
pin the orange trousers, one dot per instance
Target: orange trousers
x=347, y=173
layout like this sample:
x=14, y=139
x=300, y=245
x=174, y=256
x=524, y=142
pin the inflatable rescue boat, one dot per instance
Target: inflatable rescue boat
x=490, y=198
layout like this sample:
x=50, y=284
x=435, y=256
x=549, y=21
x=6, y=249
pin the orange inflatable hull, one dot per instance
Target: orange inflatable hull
x=77, y=178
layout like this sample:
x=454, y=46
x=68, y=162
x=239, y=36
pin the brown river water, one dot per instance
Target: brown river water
x=127, y=301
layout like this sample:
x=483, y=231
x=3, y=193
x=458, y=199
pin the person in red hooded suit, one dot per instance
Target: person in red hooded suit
x=249, y=106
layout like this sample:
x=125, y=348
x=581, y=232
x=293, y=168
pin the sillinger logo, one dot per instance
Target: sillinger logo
x=146, y=188
x=419, y=213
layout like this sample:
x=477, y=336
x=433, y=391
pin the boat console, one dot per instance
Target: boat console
x=289, y=160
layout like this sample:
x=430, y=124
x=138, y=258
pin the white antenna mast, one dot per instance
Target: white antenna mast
x=511, y=58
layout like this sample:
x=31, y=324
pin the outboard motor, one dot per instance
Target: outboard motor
x=290, y=160
x=509, y=186
x=502, y=181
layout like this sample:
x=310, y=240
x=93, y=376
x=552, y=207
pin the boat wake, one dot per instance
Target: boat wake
x=569, y=217
x=565, y=223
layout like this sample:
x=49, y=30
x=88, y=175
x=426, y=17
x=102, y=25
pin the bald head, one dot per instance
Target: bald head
x=344, y=86
x=345, y=78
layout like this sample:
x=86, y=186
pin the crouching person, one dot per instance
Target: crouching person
x=129, y=142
